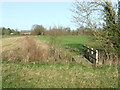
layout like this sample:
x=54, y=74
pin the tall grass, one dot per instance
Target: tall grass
x=30, y=50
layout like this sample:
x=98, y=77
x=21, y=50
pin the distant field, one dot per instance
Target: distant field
x=72, y=41
x=65, y=40
x=10, y=36
x=57, y=75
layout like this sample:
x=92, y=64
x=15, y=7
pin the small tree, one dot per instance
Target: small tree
x=38, y=30
x=7, y=31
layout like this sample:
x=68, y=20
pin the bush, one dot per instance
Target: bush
x=38, y=30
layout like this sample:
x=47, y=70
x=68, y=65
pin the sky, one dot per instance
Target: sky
x=22, y=15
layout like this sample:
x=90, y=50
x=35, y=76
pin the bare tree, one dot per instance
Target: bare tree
x=88, y=14
x=94, y=14
x=119, y=12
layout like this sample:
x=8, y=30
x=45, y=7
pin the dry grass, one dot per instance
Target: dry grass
x=30, y=50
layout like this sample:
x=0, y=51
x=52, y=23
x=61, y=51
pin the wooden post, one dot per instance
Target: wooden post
x=88, y=52
x=96, y=56
x=91, y=50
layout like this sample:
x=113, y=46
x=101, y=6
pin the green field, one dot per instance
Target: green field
x=66, y=40
x=57, y=75
x=9, y=36
x=71, y=41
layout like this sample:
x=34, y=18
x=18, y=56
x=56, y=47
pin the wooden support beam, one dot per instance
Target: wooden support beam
x=97, y=57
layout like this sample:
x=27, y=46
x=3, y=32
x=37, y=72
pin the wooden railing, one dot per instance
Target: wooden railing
x=99, y=56
x=91, y=54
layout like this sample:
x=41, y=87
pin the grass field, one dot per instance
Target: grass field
x=76, y=42
x=9, y=36
x=66, y=40
x=56, y=75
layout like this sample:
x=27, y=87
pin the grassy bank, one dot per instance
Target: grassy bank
x=57, y=75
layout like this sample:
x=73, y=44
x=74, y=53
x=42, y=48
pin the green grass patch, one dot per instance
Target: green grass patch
x=9, y=36
x=57, y=75
x=71, y=41
x=64, y=40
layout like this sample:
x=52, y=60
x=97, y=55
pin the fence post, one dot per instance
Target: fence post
x=91, y=50
x=96, y=56
x=88, y=52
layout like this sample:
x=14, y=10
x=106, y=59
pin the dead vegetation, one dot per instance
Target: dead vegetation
x=30, y=50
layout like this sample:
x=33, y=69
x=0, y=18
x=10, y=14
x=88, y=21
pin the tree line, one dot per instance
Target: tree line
x=55, y=31
x=8, y=31
x=60, y=31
